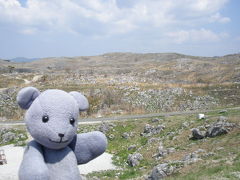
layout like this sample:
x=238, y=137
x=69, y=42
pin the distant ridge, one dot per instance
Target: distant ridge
x=117, y=54
x=23, y=59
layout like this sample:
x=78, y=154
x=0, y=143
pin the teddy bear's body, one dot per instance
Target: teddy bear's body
x=56, y=150
x=44, y=163
x=61, y=162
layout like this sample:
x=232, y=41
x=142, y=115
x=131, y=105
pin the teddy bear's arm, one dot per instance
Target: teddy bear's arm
x=33, y=166
x=88, y=146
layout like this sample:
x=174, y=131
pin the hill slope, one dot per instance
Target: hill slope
x=171, y=147
x=128, y=83
x=167, y=67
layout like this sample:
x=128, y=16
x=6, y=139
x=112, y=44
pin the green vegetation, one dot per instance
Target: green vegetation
x=223, y=161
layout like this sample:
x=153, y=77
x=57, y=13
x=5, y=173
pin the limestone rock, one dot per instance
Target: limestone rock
x=191, y=158
x=197, y=134
x=134, y=159
x=219, y=128
x=105, y=127
x=132, y=147
x=150, y=130
x=161, y=171
x=125, y=135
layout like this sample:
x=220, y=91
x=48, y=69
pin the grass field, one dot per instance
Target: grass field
x=222, y=159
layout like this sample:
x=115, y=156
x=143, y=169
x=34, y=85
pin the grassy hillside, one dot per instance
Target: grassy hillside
x=218, y=157
x=208, y=158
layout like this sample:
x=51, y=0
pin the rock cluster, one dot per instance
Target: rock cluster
x=106, y=127
x=236, y=174
x=134, y=159
x=8, y=136
x=154, y=99
x=222, y=126
x=197, y=134
x=151, y=130
x=153, y=140
x=8, y=103
x=161, y=171
x=166, y=99
x=169, y=167
x=162, y=152
x=191, y=158
x=127, y=135
x=199, y=103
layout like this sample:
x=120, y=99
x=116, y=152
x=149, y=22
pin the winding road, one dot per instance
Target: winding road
x=129, y=117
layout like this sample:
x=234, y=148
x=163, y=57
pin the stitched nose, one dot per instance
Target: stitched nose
x=60, y=135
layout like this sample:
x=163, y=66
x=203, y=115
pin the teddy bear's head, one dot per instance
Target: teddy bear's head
x=52, y=115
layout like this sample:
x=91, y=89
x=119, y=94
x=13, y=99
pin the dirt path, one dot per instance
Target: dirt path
x=25, y=80
x=34, y=79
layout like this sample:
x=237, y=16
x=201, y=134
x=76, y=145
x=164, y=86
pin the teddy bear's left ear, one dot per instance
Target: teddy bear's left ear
x=26, y=96
x=81, y=100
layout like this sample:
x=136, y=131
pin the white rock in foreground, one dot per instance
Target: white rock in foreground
x=14, y=155
x=101, y=163
x=201, y=116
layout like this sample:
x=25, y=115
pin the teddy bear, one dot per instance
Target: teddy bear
x=56, y=149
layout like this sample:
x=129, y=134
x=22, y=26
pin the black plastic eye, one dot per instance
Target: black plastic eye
x=45, y=118
x=72, y=121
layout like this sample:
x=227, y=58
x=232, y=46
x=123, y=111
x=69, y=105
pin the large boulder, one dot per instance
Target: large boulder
x=220, y=127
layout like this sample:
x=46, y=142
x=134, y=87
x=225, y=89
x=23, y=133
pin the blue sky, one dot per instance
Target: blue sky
x=50, y=28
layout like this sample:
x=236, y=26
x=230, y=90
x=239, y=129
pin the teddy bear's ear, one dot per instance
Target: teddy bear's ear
x=81, y=100
x=26, y=96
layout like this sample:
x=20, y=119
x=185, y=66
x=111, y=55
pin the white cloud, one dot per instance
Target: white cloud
x=218, y=18
x=79, y=16
x=202, y=35
x=207, y=6
x=28, y=31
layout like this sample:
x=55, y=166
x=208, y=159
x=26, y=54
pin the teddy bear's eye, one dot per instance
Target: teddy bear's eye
x=72, y=121
x=45, y=118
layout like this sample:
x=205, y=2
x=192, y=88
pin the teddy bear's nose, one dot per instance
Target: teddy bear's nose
x=60, y=135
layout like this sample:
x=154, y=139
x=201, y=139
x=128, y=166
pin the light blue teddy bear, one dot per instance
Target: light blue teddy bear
x=52, y=120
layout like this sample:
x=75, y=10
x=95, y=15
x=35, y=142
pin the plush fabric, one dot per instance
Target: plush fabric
x=81, y=100
x=26, y=96
x=90, y=145
x=51, y=119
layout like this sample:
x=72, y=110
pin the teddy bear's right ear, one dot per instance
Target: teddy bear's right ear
x=82, y=101
x=26, y=96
